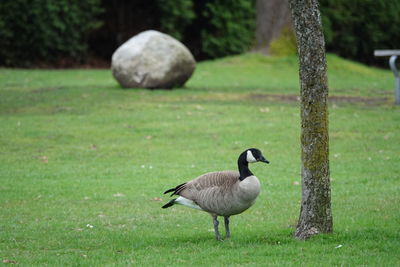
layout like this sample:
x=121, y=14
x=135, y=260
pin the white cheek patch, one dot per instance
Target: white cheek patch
x=250, y=158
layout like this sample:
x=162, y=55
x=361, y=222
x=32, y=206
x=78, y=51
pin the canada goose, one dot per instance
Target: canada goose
x=223, y=193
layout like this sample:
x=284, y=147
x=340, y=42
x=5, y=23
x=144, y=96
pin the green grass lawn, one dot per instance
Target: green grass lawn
x=83, y=164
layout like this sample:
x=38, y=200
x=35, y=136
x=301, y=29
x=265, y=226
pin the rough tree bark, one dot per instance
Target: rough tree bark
x=315, y=214
x=271, y=17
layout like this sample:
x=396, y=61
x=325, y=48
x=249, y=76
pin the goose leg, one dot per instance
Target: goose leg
x=228, y=233
x=216, y=223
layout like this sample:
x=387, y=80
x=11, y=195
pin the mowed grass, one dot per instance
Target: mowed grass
x=83, y=164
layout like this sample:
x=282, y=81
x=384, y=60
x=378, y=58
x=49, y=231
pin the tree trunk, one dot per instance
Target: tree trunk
x=271, y=17
x=315, y=214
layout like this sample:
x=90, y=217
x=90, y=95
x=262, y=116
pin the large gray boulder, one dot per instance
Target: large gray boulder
x=152, y=59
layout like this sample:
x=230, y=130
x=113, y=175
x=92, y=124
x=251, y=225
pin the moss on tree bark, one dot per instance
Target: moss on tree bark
x=315, y=214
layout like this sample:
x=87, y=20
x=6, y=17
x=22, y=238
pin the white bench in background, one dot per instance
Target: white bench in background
x=392, y=63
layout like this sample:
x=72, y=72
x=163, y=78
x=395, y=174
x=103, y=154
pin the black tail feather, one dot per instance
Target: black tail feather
x=179, y=188
x=169, y=204
x=175, y=190
x=169, y=190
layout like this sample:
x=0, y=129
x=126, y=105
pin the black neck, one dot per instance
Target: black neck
x=243, y=167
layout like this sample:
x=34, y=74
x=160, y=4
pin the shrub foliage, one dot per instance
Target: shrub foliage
x=354, y=29
x=176, y=16
x=47, y=31
x=211, y=28
x=33, y=31
x=228, y=27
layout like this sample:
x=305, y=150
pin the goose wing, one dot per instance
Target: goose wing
x=222, y=179
x=213, y=192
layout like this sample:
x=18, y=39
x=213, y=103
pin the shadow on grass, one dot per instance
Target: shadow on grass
x=271, y=239
x=283, y=238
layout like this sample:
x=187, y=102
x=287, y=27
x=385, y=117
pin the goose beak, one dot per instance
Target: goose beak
x=262, y=159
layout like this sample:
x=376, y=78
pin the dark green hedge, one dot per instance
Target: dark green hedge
x=175, y=16
x=36, y=32
x=49, y=31
x=211, y=28
x=45, y=31
x=354, y=29
x=229, y=27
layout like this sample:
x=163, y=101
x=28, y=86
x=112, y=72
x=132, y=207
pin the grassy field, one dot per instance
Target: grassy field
x=83, y=164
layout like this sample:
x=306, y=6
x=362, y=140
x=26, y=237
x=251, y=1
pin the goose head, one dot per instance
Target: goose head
x=254, y=155
x=250, y=155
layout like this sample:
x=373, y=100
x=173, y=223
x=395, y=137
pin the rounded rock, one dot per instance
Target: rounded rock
x=152, y=60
